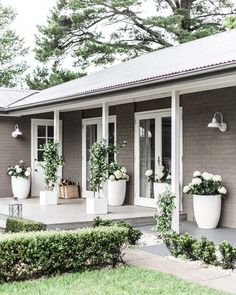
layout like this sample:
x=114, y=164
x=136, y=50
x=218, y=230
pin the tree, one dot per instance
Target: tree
x=96, y=32
x=43, y=77
x=230, y=22
x=11, y=50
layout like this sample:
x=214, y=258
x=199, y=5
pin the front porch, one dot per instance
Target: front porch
x=71, y=214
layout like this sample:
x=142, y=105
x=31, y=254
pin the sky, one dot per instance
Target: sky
x=30, y=14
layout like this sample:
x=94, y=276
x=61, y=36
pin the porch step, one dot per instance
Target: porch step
x=3, y=220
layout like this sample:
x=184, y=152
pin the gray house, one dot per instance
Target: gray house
x=161, y=103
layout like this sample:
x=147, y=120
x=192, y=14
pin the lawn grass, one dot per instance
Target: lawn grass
x=125, y=280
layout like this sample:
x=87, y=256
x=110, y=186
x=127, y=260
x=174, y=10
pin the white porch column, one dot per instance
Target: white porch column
x=57, y=135
x=105, y=126
x=56, y=126
x=175, y=155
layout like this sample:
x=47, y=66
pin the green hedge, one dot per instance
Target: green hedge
x=203, y=249
x=16, y=225
x=35, y=254
x=133, y=234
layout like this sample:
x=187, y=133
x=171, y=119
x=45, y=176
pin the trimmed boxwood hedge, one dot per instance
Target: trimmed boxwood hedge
x=16, y=225
x=35, y=254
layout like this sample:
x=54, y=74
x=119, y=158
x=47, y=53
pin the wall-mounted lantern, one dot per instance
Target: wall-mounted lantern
x=16, y=132
x=222, y=126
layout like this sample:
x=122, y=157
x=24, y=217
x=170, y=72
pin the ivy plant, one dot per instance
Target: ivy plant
x=165, y=204
x=51, y=163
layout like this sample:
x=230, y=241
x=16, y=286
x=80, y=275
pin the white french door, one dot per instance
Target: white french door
x=41, y=132
x=152, y=146
x=92, y=131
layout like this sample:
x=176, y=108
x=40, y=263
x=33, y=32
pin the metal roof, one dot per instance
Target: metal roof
x=11, y=95
x=213, y=52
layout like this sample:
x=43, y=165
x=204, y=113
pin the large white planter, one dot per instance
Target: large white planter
x=207, y=210
x=116, y=192
x=160, y=188
x=96, y=205
x=48, y=198
x=20, y=187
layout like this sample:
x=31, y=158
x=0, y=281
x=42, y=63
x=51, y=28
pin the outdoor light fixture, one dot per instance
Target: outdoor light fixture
x=16, y=132
x=215, y=124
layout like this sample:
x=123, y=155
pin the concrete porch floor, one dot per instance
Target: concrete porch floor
x=71, y=214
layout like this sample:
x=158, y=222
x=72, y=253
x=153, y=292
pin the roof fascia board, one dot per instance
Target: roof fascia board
x=138, y=94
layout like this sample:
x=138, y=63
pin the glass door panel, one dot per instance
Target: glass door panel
x=146, y=155
x=166, y=142
x=91, y=138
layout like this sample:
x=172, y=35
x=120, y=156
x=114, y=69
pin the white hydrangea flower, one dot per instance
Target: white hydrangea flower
x=117, y=174
x=222, y=190
x=17, y=166
x=207, y=176
x=159, y=175
x=160, y=168
x=148, y=173
x=216, y=178
x=123, y=170
x=18, y=170
x=112, y=178
x=27, y=173
x=28, y=168
x=10, y=173
x=21, y=161
x=168, y=177
x=197, y=174
x=127, y=177
x=196, y=181
x=186, y=189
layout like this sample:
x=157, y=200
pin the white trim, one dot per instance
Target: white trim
x=137, y=94
x=175, y=156
x=34, y=124
x=98, y=122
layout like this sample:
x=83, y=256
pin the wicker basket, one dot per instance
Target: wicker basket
x=69, y=191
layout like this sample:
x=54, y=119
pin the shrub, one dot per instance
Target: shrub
x=133, y=234
x=165, y=206
x=228, y=255
x=181, y=245
x=16, y=225
x=205, y=250
x=35, y=254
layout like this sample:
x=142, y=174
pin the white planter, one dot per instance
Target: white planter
x=160, y=188
x=20, y=187
x=96, y=205
x=48, y=198
x=207, y=210
x=116, y=192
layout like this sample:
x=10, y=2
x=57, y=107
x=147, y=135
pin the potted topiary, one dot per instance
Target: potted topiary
x=97, y=203
x=207, y=192
x=161, y=179
x=51, y=163
x=117, y=184
x=20, y=180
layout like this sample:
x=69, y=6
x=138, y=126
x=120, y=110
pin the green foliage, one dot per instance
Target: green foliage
x=11, y=50
x=228, y=255
x=36, y=254
x=165, y=204
x=181, y=245
x=75, y=28
x=15, y=225
x=43, y=78
x=230, y=22
x=51, y=162
x=133, y=234
x=205, y=250
x=99, y=164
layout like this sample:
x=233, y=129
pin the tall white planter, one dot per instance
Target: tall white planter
x=207, y=210
x=160, y=188
x=48, y=198
x=20, y=187
x=116, y=192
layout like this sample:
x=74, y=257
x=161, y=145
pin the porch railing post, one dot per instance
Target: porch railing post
x=105, y=126
x=175, y=155
x=57, y=137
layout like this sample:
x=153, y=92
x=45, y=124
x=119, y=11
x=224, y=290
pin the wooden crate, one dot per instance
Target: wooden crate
x=69, y=191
